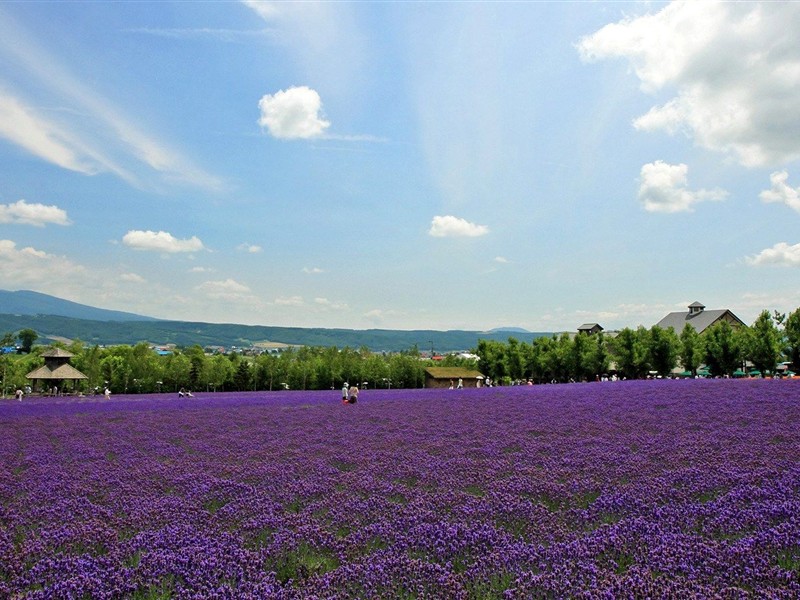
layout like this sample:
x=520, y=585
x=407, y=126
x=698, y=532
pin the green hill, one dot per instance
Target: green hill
x=184, y=333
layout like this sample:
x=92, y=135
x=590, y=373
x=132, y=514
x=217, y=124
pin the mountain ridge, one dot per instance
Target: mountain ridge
x=110, y=331
x=28, y=302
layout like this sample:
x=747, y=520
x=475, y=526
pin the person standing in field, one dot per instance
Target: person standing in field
x=353, y=394
x=344, y=393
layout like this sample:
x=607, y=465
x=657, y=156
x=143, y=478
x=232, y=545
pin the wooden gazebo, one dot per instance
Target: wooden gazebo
x=56, y=370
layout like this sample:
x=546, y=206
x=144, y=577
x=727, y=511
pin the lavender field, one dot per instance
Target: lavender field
x=627, y=489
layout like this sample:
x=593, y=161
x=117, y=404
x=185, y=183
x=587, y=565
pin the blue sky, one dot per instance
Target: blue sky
x=402, y=165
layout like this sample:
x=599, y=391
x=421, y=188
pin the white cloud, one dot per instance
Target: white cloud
x=328, y=304
x=781, y=191
x=28, y=265
x=501, y=259
x=663, y=188
x=735, y=68
x=293, y=114
x=290, y=301
x=229, y=290
x=32, y=214
x=378, y=315
x=449, y=226
x=249, y=248
x=312, y=270
x=781, y=254
x=132, y=278
x=265, y=10
x=202, y=270
x=160, y=241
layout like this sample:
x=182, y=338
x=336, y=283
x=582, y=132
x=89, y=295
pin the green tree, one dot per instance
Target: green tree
x=792, y=332
x=492, y=359
x=691, y=350
x=220, y=370
x=631, y=351
x=26, y=339
x=198, y=370
x=177, y=371
x=599, y=359
x=578, y=357
x=662, y=350
x=764, y=347
x=515, y=359
x=723, y=355
x=241, y=378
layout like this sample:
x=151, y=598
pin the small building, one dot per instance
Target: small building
x=699, y=318
x=56, y=370
x=590, y=328
x=443, y=377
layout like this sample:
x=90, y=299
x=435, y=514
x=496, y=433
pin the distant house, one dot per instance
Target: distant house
x=590, y=328
x=56, y=370
x=699, y=318
x=442, y=377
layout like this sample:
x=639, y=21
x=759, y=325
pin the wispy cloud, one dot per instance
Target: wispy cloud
x=103, y=140
x=132, y=278
x=312, y=270
x=450, y=226
x=249, y=248
x=325, y=303
x=290, y=301
x=34, y=214
x=161, y=241
x=663, y=188
x=216, y=34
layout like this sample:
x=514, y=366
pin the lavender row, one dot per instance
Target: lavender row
x=627, y=489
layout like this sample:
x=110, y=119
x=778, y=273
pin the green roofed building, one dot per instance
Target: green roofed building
x=443, y=377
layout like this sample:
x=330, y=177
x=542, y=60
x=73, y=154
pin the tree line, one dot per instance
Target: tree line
x=632, y=354
x=139, y=369
x=722, y=349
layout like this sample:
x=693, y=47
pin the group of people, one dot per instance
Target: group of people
x=349, y=393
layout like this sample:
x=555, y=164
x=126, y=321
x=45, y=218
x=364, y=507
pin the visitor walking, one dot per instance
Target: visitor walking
x=344, y=392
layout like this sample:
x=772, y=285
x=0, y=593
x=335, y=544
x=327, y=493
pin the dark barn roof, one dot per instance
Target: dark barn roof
x=699, y=318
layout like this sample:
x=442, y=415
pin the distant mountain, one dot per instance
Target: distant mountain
x=509, y=330
x=26, y=302
x=53, y=319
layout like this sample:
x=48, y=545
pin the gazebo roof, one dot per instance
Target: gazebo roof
x=64, y=371
x=57, y=353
